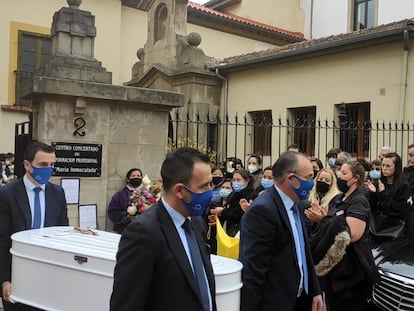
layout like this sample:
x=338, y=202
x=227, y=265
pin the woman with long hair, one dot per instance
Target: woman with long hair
x=324, y=190
x=390, y=200
x=347, y=268
x=231, y=214
x=119, y=210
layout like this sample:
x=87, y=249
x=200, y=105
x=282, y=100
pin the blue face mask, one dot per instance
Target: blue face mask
x=199, y=202
x=41, y=174
x=374, y=174
x=224, y=193
x=238, y=186
x=266, y=183
x=331, y=162
x=304, y=187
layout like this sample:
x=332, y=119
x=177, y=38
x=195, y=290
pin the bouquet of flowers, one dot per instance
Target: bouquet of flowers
x=142, y=198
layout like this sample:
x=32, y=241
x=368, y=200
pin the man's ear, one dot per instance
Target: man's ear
x=27, y=165
x=178, y=190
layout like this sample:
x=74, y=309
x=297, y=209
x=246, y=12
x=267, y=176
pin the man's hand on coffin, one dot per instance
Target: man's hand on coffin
x=6, y=287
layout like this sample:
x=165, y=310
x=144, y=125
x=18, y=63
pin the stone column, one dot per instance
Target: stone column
x=130, y=123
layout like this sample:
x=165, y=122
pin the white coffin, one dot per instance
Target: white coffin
x=57, y=268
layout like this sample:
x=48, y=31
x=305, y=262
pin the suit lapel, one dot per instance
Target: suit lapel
x=176, y=246
x=281, y=209
x=23, y=203
x=283, y=213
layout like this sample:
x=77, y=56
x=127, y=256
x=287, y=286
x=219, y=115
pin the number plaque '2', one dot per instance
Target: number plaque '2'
x=79, y=125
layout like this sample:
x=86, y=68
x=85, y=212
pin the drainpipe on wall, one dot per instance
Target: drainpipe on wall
x=404, y=75
x=226, y=108
x=311, y=21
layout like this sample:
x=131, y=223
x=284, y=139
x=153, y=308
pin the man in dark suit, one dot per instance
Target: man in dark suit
x=19, y=210
x=278, y=270
x=156, y=266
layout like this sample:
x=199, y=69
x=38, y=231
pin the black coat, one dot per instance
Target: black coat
x=271, y=275
x=15, y=216
x=233, y=212
x=152, y=271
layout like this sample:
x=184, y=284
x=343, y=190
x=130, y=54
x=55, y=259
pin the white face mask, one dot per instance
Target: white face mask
x=252, y=168
x=8, y=162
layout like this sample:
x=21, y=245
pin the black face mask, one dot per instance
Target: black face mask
x=322, y=187
x=217, y=179
x=135, y=182
x=315, y=172
x=342, y=185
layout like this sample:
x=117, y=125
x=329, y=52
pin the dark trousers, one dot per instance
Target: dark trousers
x=18, y=307
x=354, y=298
x=303, y=303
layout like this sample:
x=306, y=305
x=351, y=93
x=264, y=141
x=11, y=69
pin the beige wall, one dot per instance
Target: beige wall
x=36, y=16
x=219, y=44
x=121, y=31
x=291, y=17
x=351, y=77
x=134, y=26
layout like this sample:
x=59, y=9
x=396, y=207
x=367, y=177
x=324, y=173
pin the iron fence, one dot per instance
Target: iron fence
x=224, y=137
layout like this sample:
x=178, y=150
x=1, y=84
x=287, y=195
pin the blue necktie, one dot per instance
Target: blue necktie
x=37, y=215
x=298, y=224
x=198, y=265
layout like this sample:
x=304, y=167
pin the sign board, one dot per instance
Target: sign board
x=78, y=160
x=88, y=216
x=72, y=188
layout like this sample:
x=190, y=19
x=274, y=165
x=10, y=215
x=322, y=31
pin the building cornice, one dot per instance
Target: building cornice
x=200, y=15
x=220, y=4
x=383, y=34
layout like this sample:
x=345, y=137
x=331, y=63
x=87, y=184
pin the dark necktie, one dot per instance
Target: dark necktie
x=198, y=265
x=298, y=224
x=37, y=214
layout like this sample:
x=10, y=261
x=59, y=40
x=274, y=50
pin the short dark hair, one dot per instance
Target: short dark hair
x=34, y=147
x=257, y=157
x=130, y=171
x=333, y=152
x=287, y=163
x=179, y=164
x=376, y=162
x=318, y=161
x=357, y=168
x=410, y=146
x=268, y=168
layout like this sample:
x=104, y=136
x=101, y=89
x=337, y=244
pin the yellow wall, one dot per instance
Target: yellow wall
x=220, y=44
x=134, y=26
x=350, y=77
x=291, y=17
x=36, y=16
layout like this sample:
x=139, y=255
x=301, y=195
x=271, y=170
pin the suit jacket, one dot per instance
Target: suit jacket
x=270, y=273
x=15, y=215
x=152, y=270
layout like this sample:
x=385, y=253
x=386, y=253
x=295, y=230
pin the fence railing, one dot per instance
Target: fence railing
x=226, y=137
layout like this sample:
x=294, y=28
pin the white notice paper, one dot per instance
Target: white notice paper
x=88, y=216
x=71, y=187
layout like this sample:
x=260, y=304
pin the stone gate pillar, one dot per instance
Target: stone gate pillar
x=75, y=104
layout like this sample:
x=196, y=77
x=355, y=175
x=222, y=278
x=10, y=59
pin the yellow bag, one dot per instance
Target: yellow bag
x=227, y=246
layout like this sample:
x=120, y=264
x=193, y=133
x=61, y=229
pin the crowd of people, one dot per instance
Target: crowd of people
x=306, y=231
x=7, y=168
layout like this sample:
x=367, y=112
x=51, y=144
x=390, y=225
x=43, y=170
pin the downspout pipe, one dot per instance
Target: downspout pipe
x=311, y=21
x=404, y=76
x=225, y=109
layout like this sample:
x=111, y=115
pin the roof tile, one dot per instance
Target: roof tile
x=243, y=20
x=310, y=43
